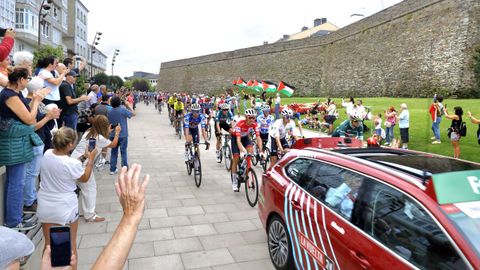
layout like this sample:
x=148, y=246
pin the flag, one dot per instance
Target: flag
x=250, y=85
x=285, y=89
x=241, y=83
x=269, y=86
x=257, y=86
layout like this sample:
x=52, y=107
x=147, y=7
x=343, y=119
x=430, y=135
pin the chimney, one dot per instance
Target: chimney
x=319, y=21
x=286, y=36
x=304, y=28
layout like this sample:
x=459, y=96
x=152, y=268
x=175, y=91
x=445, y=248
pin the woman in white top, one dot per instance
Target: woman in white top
x=57, y=201
x=348, y=106
x=88, y=190
x=47, y=65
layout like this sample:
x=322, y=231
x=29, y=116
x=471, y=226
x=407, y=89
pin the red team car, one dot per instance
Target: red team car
x=330, y=204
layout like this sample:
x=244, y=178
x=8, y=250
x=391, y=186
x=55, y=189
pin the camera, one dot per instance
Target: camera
x=2, y=31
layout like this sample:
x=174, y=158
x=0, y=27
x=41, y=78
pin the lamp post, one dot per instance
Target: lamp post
x=92, y=50
x=41, y=16
x=113, y=59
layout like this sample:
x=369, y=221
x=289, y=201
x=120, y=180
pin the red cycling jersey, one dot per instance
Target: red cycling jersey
x=242, y=129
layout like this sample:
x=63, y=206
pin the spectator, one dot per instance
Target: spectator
x=88, y=190
x=13, y=247
x=404, y=124
x=436, y=111
x=104, y=107
x=32, y=169
x=377, y=121
x=93, y=95
x=331, y=116
x=57, y=201
x=119, y=115
x=102, y=91
x=233, y=105
x=17, y=139
x=348, y=105
x=68, y=101
x=4, y=64
x=477, y=122
x=454, y=130
x=47, y=65
x=390, y=122
x=5, y=49
x=24, y=59
x=245, y=99
x=278, y=101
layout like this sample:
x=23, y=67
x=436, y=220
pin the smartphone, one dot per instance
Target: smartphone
x=2, y=32
x=113, y=126
x=61, y=246
x=92, y=142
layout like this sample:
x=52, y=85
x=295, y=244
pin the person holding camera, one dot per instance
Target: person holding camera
x=46, y=66
x=94, y=138
x=436, y=112
x=5, y=49
x=68, y=101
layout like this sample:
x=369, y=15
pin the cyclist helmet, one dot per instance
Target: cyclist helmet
x=195, y=107
x=250, y=112
x=225, y=106
x=287, y=112
x=356, y=117
x=265, y=108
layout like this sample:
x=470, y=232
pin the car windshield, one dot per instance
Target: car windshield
x=467, y=222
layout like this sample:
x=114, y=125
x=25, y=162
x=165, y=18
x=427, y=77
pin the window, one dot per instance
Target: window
x=56, y=13
x=64, y=20
x=26, y=20
x=56, y=36
x=404, y=227
x=45, y=29
x=298, y=168
x=65, y=3
x=336, y=187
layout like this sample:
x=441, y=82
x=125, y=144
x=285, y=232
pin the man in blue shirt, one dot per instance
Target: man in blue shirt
x=118, y=116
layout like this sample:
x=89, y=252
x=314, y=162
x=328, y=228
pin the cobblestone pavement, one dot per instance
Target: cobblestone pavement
x=184, y=227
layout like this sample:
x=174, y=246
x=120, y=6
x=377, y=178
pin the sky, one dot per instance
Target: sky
x=150, y=32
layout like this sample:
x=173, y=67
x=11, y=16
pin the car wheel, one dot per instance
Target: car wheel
x=279, y=245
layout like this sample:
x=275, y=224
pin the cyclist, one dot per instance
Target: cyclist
x=352, y=127
x=241, y=141
x=207, y=108
x=178, y=108
x=190, y=126
x=171, y=101
x=222, y=121
x=278, y=134
x=265, y=121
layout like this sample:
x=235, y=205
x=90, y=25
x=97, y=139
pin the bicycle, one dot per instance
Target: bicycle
x=160, y=105
x=194, y=163
x=247, y=175
x=226, y=151
x=178, y=127
x=258, y=157
x=209, y=129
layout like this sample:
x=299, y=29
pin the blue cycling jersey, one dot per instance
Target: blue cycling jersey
x=192, y=122
x=206, y=105
x=220, y=117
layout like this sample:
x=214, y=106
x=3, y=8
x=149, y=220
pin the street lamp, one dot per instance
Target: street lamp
x=92, y=50
x=41, y=16
x=113, y=59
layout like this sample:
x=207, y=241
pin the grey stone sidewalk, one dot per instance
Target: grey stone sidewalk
x=184, y=227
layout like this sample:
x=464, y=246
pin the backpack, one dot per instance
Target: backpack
x=462, y=129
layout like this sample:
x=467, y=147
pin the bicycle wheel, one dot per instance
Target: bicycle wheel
x=220, y=155
x=197, y=174
x=179, y=132
x=251, y=187
x=189, y=165
x=266, y=160
x=228, y=157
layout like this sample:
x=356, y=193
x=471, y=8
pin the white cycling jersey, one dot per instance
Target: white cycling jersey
x=281, y=130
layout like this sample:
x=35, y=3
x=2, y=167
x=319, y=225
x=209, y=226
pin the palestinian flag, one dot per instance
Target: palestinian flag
x=241, y=83
x=269, y=87
x=258, y=87
x=250, y=84
x=284, y=88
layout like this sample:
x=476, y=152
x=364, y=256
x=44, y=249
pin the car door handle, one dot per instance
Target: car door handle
x=360, y=259
x=337, y=228
x=296, y=205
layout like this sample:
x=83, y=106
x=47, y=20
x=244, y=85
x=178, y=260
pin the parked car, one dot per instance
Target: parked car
x=331, y=204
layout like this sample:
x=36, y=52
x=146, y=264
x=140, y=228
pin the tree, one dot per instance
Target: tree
x=101, y=78
x=47, y=50
x=141, y=85
x=128, y=84
x=80, y=85
x=116, y=82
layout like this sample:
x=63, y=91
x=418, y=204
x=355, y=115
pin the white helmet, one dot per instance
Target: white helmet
x=250, y=112
x=287, y=111
x=225, y=106
x=195, y=107
x=265, y=108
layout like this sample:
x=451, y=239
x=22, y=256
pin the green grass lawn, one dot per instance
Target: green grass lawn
x=420, y=122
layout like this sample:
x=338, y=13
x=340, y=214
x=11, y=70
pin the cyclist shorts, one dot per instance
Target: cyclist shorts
x=178, y=113
x=224, y=126
x=207, y=112
x=245, y=141
x=194, y=132
x=273, y=145
x=264, y=137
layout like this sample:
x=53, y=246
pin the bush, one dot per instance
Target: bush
x=47, y=50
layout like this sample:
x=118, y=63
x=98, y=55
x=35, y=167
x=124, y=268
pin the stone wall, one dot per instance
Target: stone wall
x=414, y=48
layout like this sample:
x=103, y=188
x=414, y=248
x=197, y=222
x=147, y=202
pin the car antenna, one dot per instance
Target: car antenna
x=426, y=177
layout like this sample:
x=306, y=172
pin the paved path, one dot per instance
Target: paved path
x=184, y=227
